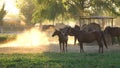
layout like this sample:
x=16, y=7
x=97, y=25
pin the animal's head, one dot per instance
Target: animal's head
x=56, y=32
x=60, y=33
x=71, y=31
x=107, y=30
x=77, y=27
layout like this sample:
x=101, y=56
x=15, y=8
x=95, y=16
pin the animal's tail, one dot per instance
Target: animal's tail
x=103, y=37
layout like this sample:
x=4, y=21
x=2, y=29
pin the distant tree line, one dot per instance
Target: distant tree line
x=40, y=10
x=2, y=14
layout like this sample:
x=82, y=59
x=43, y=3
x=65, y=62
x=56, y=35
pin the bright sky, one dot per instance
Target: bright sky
x=10, y=7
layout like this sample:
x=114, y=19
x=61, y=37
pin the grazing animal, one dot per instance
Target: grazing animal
x=75, y=38
x=88, y=37
x=65, y=29
x=63, y=39
x=113, y=32
x=45, y=27
x=91, y=27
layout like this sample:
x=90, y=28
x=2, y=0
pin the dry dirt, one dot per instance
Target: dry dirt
x=55, y=48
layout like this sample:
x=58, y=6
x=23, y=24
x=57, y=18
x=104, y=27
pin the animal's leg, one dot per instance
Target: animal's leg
x=63, y=47
x=100, y=46
x=112, y=40
x=99, y=49
x=118, y=39
x=66, y=47
x=60, y=47
x=81, y=47
x=103, y=37
x=75, y=40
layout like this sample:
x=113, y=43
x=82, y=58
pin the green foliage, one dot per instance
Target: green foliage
x=27, y=8
x=61, y=60
x=6, y=37
x=105, y=7
x=40, y=10
x=78, y=7
x=2, y=14
x=48, y=9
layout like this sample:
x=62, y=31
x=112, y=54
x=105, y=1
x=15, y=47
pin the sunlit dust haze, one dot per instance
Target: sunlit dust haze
x=10, y=7
x=29, y=38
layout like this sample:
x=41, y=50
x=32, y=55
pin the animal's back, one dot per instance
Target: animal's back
x=86, y=36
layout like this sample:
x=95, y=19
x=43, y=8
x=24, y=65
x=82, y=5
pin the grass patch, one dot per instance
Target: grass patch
x=61, y=60
x=7, y=37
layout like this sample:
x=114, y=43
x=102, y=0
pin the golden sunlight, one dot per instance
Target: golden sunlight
x=29, y=38
x=10, y=7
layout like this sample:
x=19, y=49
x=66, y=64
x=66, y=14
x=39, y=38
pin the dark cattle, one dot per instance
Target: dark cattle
x=88, y=37
x=63, y=38
x=113, y=32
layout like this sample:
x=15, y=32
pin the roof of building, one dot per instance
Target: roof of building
x=96, y=17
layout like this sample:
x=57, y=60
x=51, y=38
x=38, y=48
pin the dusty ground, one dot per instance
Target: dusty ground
x=55, y=48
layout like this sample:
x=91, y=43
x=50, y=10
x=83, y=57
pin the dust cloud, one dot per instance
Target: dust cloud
x=29, y=38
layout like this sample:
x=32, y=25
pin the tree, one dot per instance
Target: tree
x=2, y=15
x=49, y=9
x=40, y=10
x=27, y=8
x=105, y=7
x=78, y=8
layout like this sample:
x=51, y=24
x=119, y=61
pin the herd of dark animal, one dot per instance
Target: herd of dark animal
x=85, y=35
